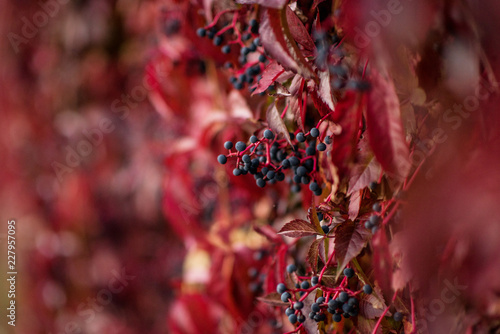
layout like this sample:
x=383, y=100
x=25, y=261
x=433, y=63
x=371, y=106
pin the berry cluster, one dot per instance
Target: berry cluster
x=338, y=302
x=373, y=223
x=230, y=38
x=268, y=158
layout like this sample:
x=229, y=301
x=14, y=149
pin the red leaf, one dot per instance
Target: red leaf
x=269, y=76
x=382, y=263
x=313, y=253
x=322, y=94
x=312, y=215
x=363, y=174
x=298, y=31
x=266, y=3
x=276, y=43
x=276, y=123
x=348, y=116
x=354, y=205
x=273, y=299
x=298, y=228
x=350, y=239
x=385, y=129
x=371, y=307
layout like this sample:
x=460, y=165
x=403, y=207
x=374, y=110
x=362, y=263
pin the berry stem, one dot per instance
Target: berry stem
x=218, y=16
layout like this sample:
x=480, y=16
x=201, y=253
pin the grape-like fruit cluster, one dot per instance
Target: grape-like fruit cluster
x=269, y=158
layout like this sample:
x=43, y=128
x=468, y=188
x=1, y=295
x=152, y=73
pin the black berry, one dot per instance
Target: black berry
x=285, y=296
x=228, y=145
x=281, y=288
x=397, y=316
x=349, y=272
x=314, y=132
x=291, y=268
x=367, y=289
x=240, y=146
x=222, y=159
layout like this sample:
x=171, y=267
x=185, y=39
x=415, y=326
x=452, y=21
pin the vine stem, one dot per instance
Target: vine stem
x=377, y=325
x=412, y=312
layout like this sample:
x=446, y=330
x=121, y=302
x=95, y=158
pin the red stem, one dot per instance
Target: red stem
x=383, y=314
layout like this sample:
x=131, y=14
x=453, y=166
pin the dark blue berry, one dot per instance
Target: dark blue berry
x=240, y=146
x=261, y=183
x=285, y=164
x=252, y=47
x=262, y=58
x=305, y=179
x=294, y=161
x=349, y=272
x=314, y=280
x=254, y=139
x=353, y=301
x=211, y=33
x=334, y=304
x=320, y=300
x=313, y=186
x=315, y=307
x=310, y=151
x=320, y=317
x=300, y=137
x=397, y=316
x=368, y=224
x=367, y=289
x=253, y=23
x=373, y=185
x=291, y=268
x=320, y=215
x=325, y=229
x=321, y=147
x=328, y=140
x=377, y=207
x=292, y=318
x=244, y=51
x=264, y=170
x=298, y=305
x=218, y=40
x=289, y=311
x=318, y=192
x=337, y=317
x=246, y=158
x=285, y=296
x=268, y=134
x=256, y=41
x=343, y=296
x=236, y=172
x=226, y=49
x=301, y=318
x=347, y=308
x=314, y=132
x=271, y=174
x=281, y=288
x=280, y=176
x=311, y=315
x=228, y=145
x=375, y=220
x=301, y=171
x=246, y=37
x=222, y=159
x=238, y=85
x=305, y=285
x=201, y=32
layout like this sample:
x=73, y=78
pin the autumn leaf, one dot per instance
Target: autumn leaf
x=385, y=129
x=313, y=253
x=266, y=3
x=276, y=123
x=363, y=174
x=350, y=239
x=298, y=228
x=298, y=31
x=278, y=45
x=321, y=94
x=270, y=74
x=273, y=299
